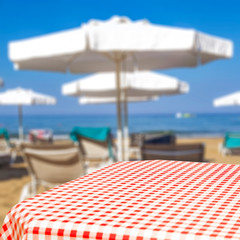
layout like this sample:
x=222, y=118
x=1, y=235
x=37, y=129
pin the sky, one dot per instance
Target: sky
x=27, y=18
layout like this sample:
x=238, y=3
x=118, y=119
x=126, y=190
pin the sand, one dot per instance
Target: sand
x=13, y=179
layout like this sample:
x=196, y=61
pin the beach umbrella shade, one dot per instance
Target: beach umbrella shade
x=136, y=87
x=232, y=99
x=110, y=100
x=104, y=45
x=20, y=96
x=125, y=101
x=134, y=84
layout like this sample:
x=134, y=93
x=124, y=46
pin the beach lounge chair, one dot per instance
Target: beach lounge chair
x=138, y=139
x=41, y=136
x=180, y=152
x=7, y=154
x=159, y=138
x=95, y=144
x=50, y=166
x=231, y=144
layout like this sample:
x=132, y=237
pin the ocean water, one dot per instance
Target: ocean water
x=198, y=125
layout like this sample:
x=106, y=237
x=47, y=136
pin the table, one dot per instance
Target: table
x=135, y=200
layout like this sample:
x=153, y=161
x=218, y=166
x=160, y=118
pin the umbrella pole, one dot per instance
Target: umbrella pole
x=20, y=125
x=126, y=131
x=119, y=111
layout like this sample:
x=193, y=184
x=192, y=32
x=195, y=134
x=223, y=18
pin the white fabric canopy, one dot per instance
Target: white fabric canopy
x=139, y=84
x=103, y=100
x=151, y=46
x=20, y=97
x=105, y=45
x=232, y=99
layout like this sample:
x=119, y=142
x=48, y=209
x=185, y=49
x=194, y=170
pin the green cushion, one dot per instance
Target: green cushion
x=4, y=133
x=232, y=140
x=100, y=134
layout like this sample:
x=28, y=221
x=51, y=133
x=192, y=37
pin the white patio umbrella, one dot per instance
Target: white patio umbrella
x=135, y=84
x=125, y=101
x=232, y=99
x=138, y=86
x=20, y=97
x=104, y=45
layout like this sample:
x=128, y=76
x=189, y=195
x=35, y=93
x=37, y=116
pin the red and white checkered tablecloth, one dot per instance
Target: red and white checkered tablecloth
x=135, y=200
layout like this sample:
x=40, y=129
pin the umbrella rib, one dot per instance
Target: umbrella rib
x=115, y=56
x=72, y=58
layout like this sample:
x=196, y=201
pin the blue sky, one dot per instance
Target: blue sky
x=23, y=19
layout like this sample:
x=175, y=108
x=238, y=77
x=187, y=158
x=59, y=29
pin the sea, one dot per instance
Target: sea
x=196, y=125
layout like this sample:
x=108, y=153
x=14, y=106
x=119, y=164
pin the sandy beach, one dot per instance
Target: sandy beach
x=13, y=179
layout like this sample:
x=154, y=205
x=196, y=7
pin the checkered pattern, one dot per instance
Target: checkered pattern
x=135, y=201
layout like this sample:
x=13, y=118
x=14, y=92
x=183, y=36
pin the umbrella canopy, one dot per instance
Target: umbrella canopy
x=103, y=100
x=152, y=46
x=20, y=97
x=137, y=87
x=232, y=99
x=139, y=84
x=104, y=45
